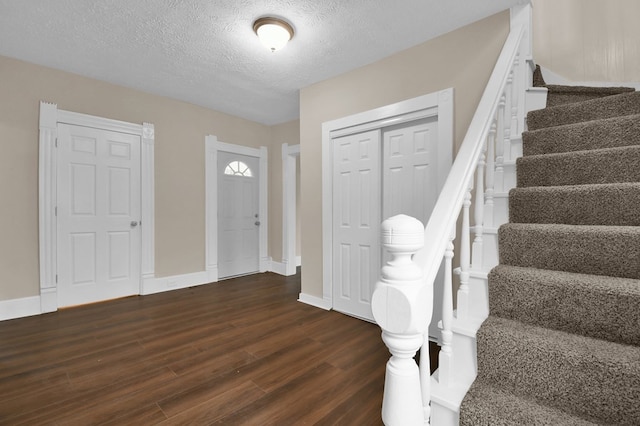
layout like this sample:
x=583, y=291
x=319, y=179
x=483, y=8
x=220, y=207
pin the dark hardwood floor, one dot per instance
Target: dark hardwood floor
x=241, y=351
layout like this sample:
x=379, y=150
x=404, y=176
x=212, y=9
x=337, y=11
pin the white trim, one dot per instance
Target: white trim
x=50, y=116
x=318, y=302
x=438, y=104
x=289, y=154
x=279, y=268
x=212, y=147
x=174, y=282
x=298, y=260
x=211, y=205
x=19, y=308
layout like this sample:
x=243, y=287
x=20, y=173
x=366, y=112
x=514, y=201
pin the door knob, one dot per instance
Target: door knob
x=134, y=223
x=257, y=223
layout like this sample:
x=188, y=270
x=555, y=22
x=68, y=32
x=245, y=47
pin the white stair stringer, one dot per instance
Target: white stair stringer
x=446, y=399
x=509, y=178
x=500, y=209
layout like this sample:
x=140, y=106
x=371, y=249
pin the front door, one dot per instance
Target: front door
x=98, y=215
x=238, y=214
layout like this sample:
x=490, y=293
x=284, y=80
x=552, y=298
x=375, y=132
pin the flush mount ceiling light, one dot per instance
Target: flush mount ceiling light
x=274, y=33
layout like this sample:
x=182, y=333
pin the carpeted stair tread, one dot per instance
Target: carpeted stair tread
x=608, y=165
x=605, y=133
x=561, y=95
x=485, y=405
x=591, y=378
x=594, y=109
x=615, y=204
x=586, y=249
x=591, y=305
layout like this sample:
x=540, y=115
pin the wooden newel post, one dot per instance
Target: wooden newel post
x=402, y=304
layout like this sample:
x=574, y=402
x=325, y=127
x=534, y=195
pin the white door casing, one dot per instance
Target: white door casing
x=50, y=116
x=98, y=188
x=438, y=105
x=213, y=148
x=290, y=154
x=356, y=222
x=238, y=214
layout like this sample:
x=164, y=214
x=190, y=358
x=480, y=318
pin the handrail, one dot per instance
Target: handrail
x=402, y=301
x=443, y=218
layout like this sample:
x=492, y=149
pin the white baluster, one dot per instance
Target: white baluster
x=425, y=378
x=490, y=177
x=515, y=86
x=402, y=305
x=465, y=249
x=478, y=216
x=445, y=357
x=507, y=118
x=499, y=176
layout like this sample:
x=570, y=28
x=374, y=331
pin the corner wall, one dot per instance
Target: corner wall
x=180, y=129
x=462, y=59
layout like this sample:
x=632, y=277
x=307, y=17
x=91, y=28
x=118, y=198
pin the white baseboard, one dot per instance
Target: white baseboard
x=175, y=282
x=298, y=260
x=318, y=302
x=19, y=308
x=279, y=268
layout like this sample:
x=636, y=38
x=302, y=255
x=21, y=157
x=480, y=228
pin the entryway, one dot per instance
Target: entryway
x=236, y=209
x=239, y=219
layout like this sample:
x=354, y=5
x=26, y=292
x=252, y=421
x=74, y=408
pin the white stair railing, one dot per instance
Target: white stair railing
x=403, y=298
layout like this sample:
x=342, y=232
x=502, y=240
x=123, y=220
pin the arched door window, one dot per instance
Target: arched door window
x=238, y=168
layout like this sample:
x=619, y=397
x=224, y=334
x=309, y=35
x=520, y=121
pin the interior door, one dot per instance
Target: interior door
x=238, y=214
x=98, y=215
x=356, y=222
x=410, y=169
x=410, y=182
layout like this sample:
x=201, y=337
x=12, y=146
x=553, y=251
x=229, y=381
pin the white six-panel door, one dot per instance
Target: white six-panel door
x=377, y=174
x=356, y=222
x=238, y=214
x=410, y=169
x=98, y=215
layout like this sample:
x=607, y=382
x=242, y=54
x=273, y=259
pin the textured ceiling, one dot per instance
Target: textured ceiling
x=205, y=52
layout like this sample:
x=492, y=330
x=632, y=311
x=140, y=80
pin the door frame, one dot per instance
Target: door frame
x=290, y=153
x=438, y=104
x=212, y=147
x=50, y=116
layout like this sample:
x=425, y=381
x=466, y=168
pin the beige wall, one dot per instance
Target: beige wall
x=588, y=40
x=462, y=59
x=180, y=129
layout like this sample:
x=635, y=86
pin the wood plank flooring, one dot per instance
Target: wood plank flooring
x=238, y=352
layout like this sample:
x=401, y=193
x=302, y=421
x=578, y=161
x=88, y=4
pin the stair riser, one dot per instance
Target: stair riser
x=581, y=205
x=610, y=133
x=589, y=167
x=609, y=251
x=555, y=98
x=604, y=308
x=610, y=106
x=575, y=382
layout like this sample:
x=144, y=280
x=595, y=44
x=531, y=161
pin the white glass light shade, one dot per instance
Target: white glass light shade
x=273, y=33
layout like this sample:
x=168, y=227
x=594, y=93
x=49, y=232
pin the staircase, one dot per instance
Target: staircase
x=561, y=345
